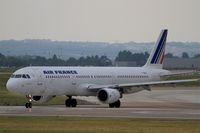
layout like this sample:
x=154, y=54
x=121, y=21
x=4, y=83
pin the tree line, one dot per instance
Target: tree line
x=139, y=58
x=14, y=61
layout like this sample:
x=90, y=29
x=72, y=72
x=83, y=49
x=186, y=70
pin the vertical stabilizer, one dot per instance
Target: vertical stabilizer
x=156, y=57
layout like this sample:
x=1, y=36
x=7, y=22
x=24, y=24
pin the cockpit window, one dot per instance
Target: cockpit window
x=18, y=76
x=28, y=76
x=25, y=76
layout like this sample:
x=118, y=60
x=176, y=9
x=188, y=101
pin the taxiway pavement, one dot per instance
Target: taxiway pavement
x=101, y=112
x=160, y=103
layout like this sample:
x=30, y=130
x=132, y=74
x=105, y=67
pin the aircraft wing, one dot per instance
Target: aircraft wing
x=143, y=84
x=178, y=73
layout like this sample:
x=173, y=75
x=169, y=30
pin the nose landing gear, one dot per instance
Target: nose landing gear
x=29, y=103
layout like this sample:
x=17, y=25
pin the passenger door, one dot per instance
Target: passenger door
x=39, y=82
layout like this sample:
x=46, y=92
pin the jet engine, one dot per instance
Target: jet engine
x=108, y=95
x=42, y=99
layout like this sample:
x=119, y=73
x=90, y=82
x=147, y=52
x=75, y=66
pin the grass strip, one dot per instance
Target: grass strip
x=96, y=125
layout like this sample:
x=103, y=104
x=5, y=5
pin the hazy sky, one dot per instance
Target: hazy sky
x=100, y=20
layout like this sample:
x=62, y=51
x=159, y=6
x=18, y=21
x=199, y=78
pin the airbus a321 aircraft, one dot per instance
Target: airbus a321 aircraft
x=108, y=84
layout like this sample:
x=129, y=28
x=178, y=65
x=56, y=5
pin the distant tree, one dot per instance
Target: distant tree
x=197, y=56
x=14, y=61
x=170, y=55
x=139, y=58
x=81, y=61
x=104, y=61
x=27, y=60
x=93, y=61
x=72, y=62
x=2, y=56
x=185, y=55
x=124, y=56
x=39, y=61
x=2, y=60
x=54, y=61
x=54, y=57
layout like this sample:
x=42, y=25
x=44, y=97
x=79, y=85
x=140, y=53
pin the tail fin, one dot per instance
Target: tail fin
x=156, y=57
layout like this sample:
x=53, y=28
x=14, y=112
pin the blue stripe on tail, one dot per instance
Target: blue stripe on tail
x=159, y=49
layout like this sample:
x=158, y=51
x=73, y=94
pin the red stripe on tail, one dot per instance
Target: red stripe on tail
x=162, y=58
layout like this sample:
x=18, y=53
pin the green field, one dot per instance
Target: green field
x=96, y=125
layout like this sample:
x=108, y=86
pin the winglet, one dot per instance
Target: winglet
x=156, y=57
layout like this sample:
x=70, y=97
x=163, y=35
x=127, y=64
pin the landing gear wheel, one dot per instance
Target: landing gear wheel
x=112, y=105
x=67, y=102
x=71, y=102
x=28, y=105
x=115, y=104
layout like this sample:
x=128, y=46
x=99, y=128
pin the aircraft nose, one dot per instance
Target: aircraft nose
x=10, y=85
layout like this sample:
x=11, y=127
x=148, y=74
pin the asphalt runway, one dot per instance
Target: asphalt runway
x=169, y=104
x=169, y=113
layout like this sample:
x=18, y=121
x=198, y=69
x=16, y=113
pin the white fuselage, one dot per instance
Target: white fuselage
x=74, y=81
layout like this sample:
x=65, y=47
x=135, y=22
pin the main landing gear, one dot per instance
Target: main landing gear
x=29, y=103
x=115, y=104
x=70, y=102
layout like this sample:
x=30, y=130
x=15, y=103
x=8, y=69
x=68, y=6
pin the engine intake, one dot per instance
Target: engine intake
x=42, y=99
x=108, y=95
x=37, y=98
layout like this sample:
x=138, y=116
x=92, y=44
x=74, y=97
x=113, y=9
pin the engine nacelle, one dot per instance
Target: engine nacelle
x=108, y=95
x=42, y=99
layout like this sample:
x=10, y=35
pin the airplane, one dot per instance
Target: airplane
x=108, y=84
